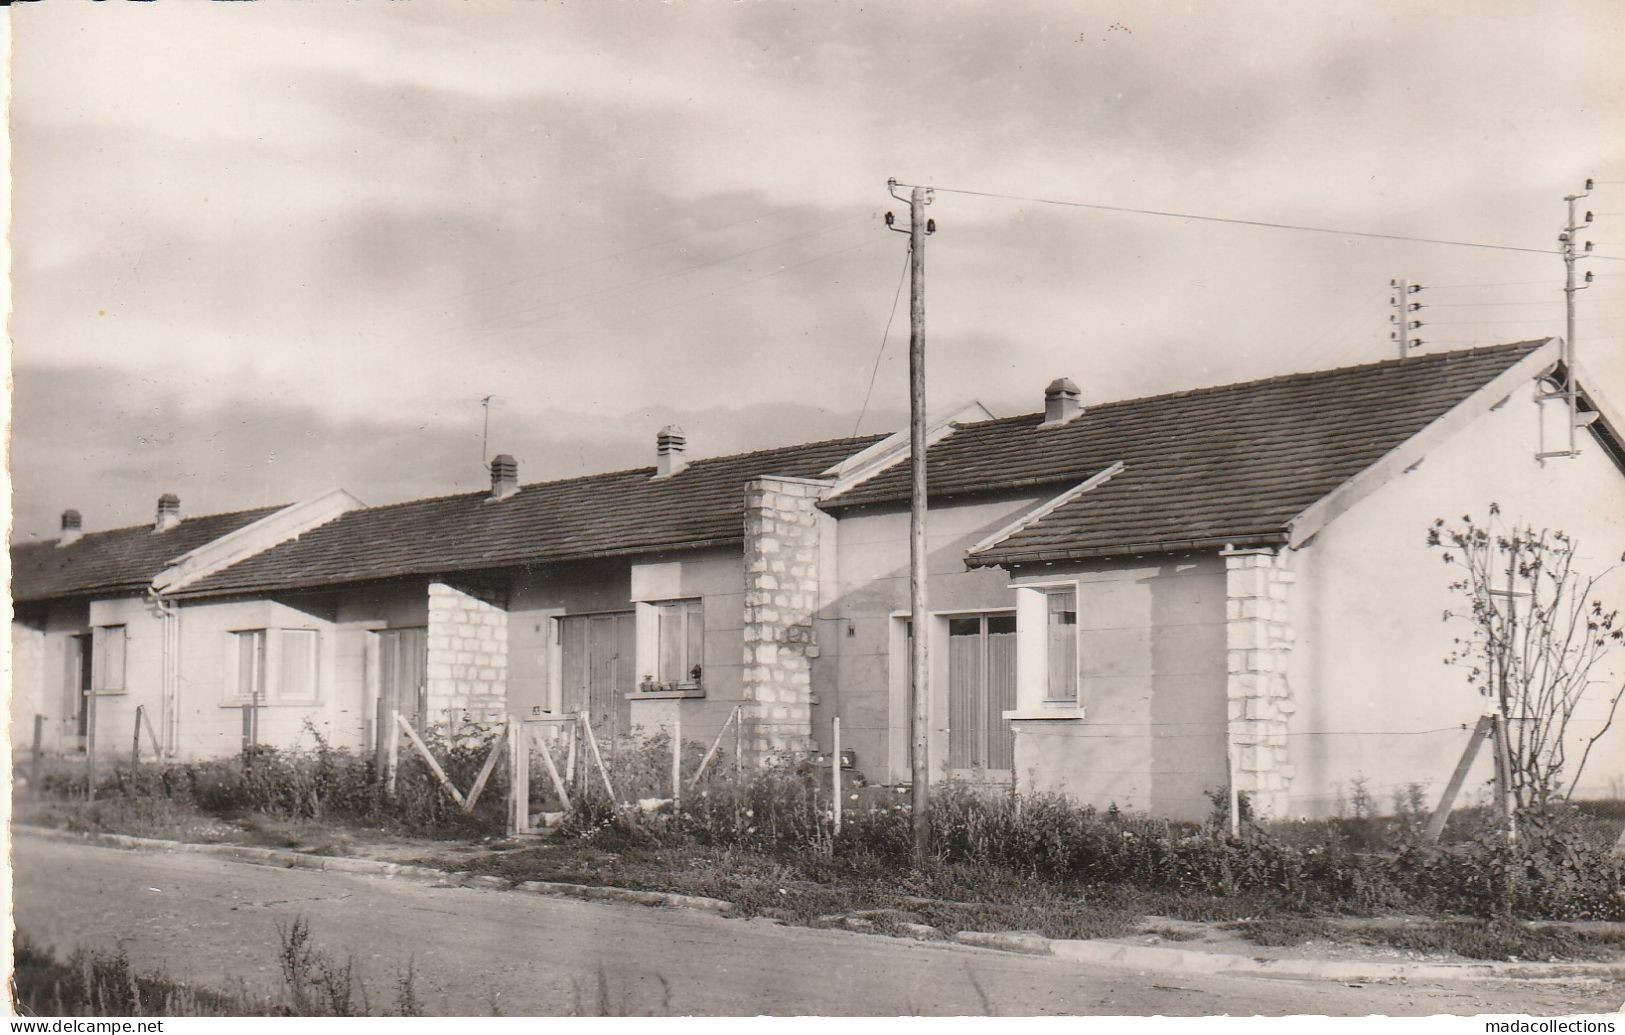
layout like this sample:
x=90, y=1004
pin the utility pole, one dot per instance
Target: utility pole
x=485, y=433
x=1402, y=320
x=1571, y=256
x=919, y=668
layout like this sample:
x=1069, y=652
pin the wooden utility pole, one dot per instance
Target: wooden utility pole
x=919, y=655
x=919, y=228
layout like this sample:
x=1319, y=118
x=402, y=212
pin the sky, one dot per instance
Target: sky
x=264, y=250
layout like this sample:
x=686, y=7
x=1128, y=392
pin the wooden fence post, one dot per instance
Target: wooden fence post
x=393, y=757
x=513, y=773
x=380, y=749
x=39, y=751
x=1503, y=776
x=571, y=762
x=90, y=745
x=676, y=760
x=135, y=740
x=836, y=769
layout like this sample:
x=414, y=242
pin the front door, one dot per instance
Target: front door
x=597, y=664
x=981, y=687
x=76, y=685
x=403, y=664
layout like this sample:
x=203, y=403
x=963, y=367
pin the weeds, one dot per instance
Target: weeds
x=104, y=984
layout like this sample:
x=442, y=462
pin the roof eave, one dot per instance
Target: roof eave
x=1017, y=558
x=1408, y=453
x=317, y=585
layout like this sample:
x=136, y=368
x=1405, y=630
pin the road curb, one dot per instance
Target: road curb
x=1190, y=961
x=1100, y=953
x=290, y=859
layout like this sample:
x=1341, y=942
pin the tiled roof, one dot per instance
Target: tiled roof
x=618, y=514
x=1233, y=463
x=120, y=561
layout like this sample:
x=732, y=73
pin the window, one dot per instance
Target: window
x=296, y=668
x=107, y=658
x=272, y=666
x=682, y=644
x=1062, y=642
x=247, y=665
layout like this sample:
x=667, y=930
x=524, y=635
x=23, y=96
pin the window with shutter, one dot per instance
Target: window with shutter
x=107, y=665
x=1062, y=635
x=682, y=644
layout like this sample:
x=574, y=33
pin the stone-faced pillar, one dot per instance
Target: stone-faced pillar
x=468, y=653
x=781, y=599
x=1260, y=639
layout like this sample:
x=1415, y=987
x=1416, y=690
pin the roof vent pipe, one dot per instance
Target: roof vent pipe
x=169, y=512
x=72, y=528
x=504, y=476
x=669, y=447
x=1061, y=402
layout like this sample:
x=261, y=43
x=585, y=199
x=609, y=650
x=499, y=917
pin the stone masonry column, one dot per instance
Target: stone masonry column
x=468, y=653
x=781, y=599
x=1260, y=639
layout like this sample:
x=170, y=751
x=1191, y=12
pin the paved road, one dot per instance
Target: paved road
x=474, y=950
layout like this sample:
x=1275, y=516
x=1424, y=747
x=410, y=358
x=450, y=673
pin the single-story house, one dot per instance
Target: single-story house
x=1131, y=601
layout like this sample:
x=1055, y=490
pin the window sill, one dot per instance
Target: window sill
x=1048, y=711
x=664, y=695
x=272, y=704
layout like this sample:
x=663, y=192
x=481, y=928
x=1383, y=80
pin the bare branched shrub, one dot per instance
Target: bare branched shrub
x=1537, y=642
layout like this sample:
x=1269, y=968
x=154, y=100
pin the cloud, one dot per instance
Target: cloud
x=344, y=225
x=108, y=445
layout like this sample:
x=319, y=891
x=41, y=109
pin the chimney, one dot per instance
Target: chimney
x=504, y=476
x=669, y=444
x=1061, y=402
x=169, y=512
x=71, y=528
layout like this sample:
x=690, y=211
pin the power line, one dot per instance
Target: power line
x=1506, y=283
x=1259, y=223
x=901, y=280
x=1475, y=305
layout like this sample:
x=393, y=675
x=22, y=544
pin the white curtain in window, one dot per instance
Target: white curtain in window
x=1063, y=645
x=250, y=664
x=296, y=675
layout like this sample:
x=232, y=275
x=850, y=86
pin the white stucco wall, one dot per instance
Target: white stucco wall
x=861, y=670
x=1370, y=639
x=1152, y=674
x=39, y=675
x=715, y=577
x=209, y=724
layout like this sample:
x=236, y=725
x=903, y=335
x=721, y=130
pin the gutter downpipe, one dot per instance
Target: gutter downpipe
x=169, y=685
